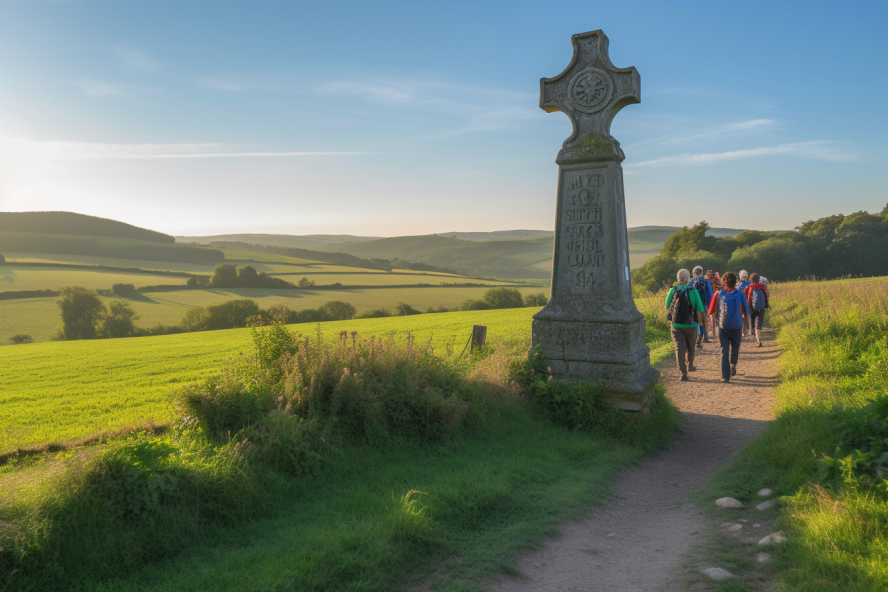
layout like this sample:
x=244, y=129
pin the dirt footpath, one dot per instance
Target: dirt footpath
x=639, y=540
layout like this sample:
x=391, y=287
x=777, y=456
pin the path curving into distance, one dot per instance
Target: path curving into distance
x=640, y=539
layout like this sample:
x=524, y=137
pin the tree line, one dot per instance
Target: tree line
x=830, y=247
x=85, y=315
x=335, y=258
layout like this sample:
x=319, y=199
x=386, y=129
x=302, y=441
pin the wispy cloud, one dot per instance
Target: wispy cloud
x=133, y=58
x=463, y=108
x=816, y=150
x=57, y=151
x=751, y=127
x=221, y=84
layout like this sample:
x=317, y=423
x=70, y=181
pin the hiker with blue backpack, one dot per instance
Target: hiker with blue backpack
x=730, y=307
x=704, y=290
x=757, y=296
x=685, y=310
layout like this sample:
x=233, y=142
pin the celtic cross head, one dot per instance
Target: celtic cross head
x=591, y=91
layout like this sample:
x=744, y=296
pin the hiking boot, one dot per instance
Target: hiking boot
x=733, y=369
x=684, y=378
x=692, y=368
x=726, y=380
x=759, y=344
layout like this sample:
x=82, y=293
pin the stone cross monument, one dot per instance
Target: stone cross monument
x=590, y=329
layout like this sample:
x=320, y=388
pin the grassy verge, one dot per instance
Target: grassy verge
x=63, y=391
x=365, y=465
x=825, y=453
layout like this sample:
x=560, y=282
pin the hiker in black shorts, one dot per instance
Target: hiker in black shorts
x=757, y=296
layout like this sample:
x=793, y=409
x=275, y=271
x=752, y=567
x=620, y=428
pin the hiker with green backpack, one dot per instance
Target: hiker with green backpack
x=729, y=307
x=685, y=311
x=757, y=296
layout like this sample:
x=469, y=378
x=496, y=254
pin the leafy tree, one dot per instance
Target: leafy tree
x=123, y=289
x=224, y=276
x=20, y=338
x=195, y=319
x=247, y=276
x=504, y=297
x=337, y=310
x=227, y=315
x=375, y=313
x=475, y=305
x=776, y=258
x=231, y=314
x=197, y=281
x=82, y=310
x=306, y=283
x=405, y=309
x=538, y=299
x=2, y=259
x=119, y=320
x=686, y=240
x=750, y=237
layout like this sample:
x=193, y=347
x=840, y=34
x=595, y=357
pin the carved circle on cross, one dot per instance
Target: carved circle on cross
x=590, y=90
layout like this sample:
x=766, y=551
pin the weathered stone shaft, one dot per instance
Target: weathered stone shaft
x=591, y=329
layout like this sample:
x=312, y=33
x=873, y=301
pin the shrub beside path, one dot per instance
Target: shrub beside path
x=641, y=538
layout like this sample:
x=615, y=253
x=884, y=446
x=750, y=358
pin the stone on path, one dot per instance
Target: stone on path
x=763, y=557
x=729, y=502
x=731, y=527
x=774, y=538
x=766, y=492
x=765, y=505
x=718, y=574
x=591, y=329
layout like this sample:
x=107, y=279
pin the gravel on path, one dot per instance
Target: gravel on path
x=639, y=540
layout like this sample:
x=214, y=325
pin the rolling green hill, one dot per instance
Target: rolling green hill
x=315, y=242
x=513, y=254
x=78, y=224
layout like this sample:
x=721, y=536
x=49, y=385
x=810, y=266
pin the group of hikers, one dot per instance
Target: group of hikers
x=705, y=303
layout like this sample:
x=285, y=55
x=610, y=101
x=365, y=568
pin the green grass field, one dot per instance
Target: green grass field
x=146, y=264
x=39, y=317
x=67, y=390
x=41, y=278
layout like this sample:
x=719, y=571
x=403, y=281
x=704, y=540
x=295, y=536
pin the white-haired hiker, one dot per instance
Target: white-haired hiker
x=704, y=290
x=685, y=310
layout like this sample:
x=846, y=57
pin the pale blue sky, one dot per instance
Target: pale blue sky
x=393, y=118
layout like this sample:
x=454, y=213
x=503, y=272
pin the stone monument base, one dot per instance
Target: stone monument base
x=614, y=353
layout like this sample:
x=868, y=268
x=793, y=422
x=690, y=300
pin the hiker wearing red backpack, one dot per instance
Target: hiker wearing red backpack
x=685, y=311
x=730, y=307
x=757, y=296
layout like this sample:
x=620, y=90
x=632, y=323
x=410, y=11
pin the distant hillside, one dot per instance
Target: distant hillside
x=314, y=242
x=499, y=235
x=78, y=224
x=514, y=254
